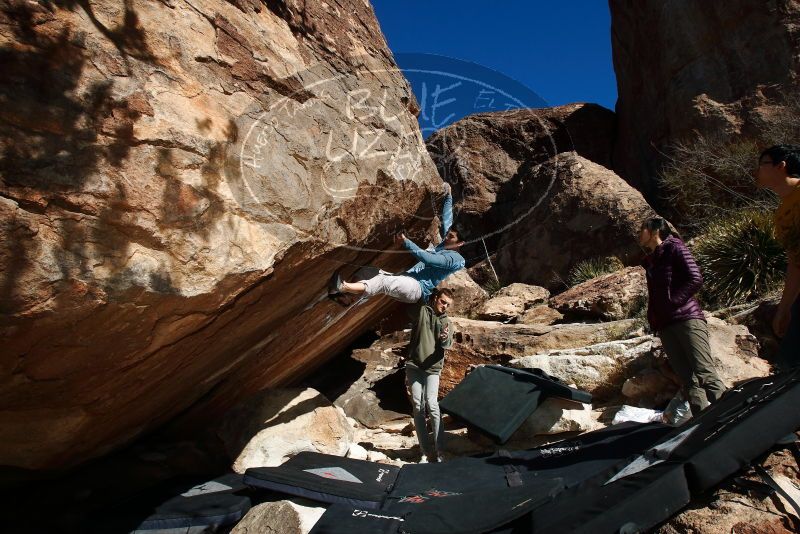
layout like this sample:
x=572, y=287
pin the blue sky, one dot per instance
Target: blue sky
x=559, y=50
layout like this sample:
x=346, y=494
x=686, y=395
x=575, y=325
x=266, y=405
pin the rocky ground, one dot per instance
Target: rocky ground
x=615, y=360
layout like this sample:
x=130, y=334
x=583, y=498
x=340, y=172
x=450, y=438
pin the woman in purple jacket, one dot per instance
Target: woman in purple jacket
x=673, y=279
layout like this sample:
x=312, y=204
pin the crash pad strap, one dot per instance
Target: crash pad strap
x=766, y=477
x=513, y=476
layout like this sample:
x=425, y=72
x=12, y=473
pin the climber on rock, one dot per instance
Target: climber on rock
x=417, y=283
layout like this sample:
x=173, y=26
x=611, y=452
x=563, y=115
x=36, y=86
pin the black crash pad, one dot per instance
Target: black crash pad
x=327, y=478
x=213, y=504
x=497, y=399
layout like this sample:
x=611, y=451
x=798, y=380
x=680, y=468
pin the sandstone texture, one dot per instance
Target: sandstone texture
x=612, y=296
x=488, y=156
x=569, y=209
x=696, y=66
x=512, y=301
x=468, y=294
x=541, y=314
x=291, y=516
x=178, y=179
x=274, y=425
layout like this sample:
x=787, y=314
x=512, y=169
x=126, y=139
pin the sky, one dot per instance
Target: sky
x=558, y=51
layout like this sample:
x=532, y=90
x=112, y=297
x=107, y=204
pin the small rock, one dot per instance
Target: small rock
x=609, y=297
x=512, y=301
x=357, y=452
x=294, y=516
x=555, y=416
x=541, y=314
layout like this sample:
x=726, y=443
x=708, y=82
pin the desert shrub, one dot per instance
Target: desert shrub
x=638, y=311
x=708, y=176
x=739, y=257
x=492, y=286
x=592, y=268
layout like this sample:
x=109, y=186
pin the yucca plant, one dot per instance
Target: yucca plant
x=739, y=257
x=492, y=286
x=592, y=268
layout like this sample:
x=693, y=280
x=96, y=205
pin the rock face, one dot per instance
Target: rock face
x=382, y=360
x=611, y=296
x=153, y=250
x=569, y=209
x=512, y=301
x=273, y=426
x=481, y=342
x=468, y=294
x=634, y=365
x=486, y=156
x=695, y=65
x=599, y=368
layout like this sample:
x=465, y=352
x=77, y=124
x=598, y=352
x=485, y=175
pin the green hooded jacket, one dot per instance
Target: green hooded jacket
x=431, y=334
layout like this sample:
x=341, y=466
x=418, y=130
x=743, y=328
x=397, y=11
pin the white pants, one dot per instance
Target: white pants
x=400, y=287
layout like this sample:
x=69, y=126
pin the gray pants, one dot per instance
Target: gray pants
x=399, y=287
x=425, y=386
x=689, y=353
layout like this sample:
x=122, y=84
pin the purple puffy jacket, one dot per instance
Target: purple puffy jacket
x=673, y=278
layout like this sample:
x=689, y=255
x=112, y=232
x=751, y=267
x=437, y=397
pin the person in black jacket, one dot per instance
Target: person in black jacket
x=673, y=278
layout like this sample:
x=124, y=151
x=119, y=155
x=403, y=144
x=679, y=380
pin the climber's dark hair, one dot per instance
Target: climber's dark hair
x=457, y=230
x=446, y=291
x=788, y=153
x=658, y=224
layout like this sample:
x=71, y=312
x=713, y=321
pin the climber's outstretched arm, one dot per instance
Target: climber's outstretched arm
x=428, y=258
x=447, y=210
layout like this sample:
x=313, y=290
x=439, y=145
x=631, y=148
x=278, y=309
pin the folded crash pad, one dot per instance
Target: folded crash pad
x=497, y=399
x=327, y=478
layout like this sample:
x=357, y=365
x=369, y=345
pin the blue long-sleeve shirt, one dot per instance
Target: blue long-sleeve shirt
x=436, y=263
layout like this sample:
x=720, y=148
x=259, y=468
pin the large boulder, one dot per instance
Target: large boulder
x=486, y=156
x=736, y=357
x=634, y=366
x=512, y=301
x=569, y=209
x=276, y=424
x=177, y=183
x=609, y=297
x=468, y=294
x=696, y=66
